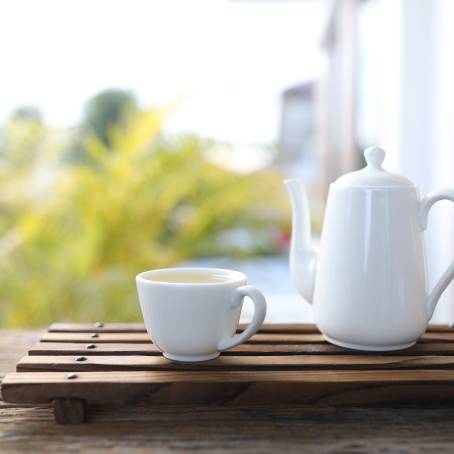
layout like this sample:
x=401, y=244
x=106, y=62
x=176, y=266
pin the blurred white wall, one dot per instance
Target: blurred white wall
x=408, y=108
x=441, y=231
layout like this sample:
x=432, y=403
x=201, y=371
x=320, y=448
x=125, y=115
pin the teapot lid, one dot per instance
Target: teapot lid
x=373, y=175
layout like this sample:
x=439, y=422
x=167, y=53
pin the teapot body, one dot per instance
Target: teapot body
x=370, y=292
x=368, y=282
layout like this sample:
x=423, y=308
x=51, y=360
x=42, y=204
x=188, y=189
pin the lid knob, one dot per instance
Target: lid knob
x=374, y=157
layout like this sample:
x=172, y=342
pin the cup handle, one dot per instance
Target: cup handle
x=259, y=315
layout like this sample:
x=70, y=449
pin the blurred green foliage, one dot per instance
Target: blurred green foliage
x=73, y=234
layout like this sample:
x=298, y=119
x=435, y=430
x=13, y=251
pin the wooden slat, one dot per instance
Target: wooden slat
x=269, y=338
x=438, y=336
x=140, y=338
x=55, y=348
x=111, y=349
x=129, y=338
x=93, y=327
x=439, y=327
x=296, y=328
x=237, y=387
x=293, y=365
x=288, y=328
x=283, y=362
x=168, y=377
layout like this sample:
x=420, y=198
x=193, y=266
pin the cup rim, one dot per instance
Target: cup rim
x=233, y=276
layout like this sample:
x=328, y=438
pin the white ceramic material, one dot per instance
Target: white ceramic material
x=368, y=283
x=195, y=321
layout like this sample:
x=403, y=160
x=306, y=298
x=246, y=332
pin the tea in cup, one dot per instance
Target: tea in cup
x=192, y=314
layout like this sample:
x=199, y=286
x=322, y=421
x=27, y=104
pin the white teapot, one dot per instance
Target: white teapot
x=368, y=284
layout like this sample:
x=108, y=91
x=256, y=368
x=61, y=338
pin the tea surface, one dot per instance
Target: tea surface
x=189, y=278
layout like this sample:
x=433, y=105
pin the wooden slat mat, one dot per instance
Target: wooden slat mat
x=115, y=363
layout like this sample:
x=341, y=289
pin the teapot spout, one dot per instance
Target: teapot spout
x=302, y=254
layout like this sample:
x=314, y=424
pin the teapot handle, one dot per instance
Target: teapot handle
x=425, y=205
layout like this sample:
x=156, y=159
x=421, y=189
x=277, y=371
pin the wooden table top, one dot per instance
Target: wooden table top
x=216, y=429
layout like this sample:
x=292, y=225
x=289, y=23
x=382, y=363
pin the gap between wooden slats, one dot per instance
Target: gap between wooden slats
x=283, y=362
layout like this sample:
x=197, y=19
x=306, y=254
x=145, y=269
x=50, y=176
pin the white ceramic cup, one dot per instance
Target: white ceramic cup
x=194, y=321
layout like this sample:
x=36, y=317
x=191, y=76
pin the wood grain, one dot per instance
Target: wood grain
x=95, y=327
x=293, y=366
x=282, y=362
x=13, y=345
x=234, y=387
x=140, y=338
x=288, y=328
x=69, y=411
x=296, y=328
x=222, y=428
x=263, y=429
x=54, y=348
x=259, y=338
x=169, y=377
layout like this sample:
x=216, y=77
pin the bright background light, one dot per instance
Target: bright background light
x=227, y=60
